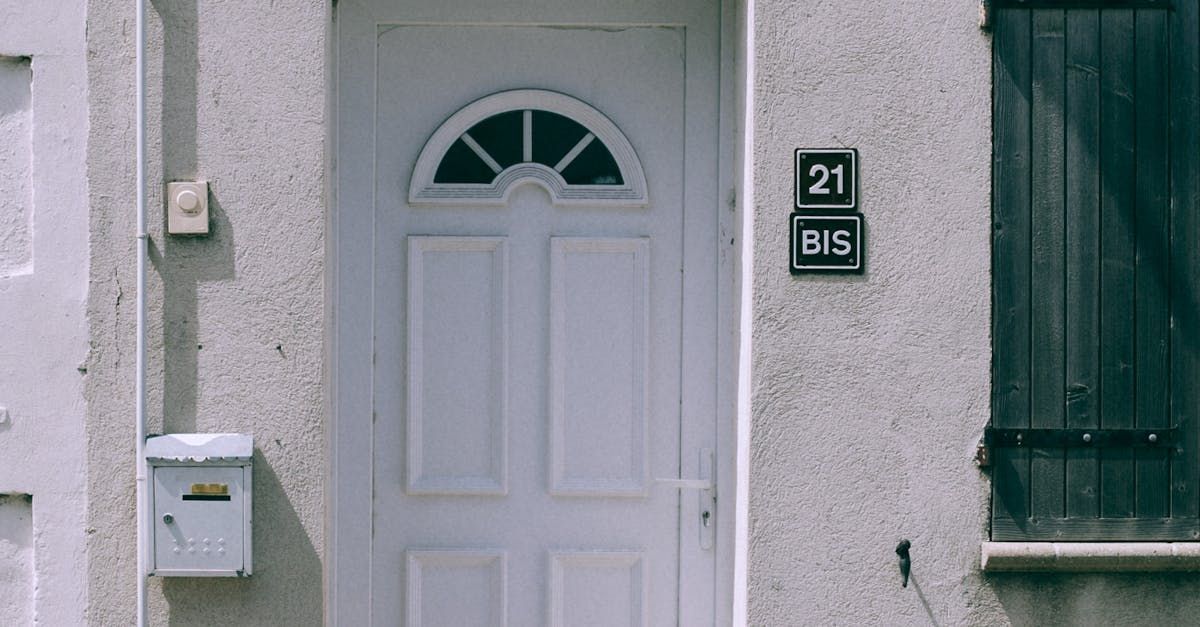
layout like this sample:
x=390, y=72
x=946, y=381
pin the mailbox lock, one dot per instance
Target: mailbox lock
x=168, y=518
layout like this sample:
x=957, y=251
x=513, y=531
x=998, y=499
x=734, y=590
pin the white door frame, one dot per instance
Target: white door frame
x=348, y=488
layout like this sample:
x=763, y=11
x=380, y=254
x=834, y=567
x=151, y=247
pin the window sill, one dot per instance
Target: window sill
x=1090, y=557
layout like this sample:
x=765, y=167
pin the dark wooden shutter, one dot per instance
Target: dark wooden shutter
x=1096, y=268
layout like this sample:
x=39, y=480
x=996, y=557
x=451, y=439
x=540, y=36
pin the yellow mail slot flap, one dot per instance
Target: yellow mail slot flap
x=210, y=488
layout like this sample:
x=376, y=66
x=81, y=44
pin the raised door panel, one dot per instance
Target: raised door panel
x=598, y=589
x=458, y=369
x=464, y=588
x=598, y=306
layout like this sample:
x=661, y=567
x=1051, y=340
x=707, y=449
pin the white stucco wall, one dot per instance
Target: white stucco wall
x=238, y=98
x=43, y=331
x=870, y=393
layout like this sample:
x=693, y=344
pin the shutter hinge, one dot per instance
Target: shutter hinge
x=994, y=437
x=1080, y=4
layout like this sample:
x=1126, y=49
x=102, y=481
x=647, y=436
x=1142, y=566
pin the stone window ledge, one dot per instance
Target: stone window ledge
x=1090, y=557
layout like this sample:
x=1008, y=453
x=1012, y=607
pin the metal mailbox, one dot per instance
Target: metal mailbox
x=200, y=504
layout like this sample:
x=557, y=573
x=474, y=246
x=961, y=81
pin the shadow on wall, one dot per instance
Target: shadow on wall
x=273, y=595
x=183, y=262
x=929, y=613
x=1148, y=599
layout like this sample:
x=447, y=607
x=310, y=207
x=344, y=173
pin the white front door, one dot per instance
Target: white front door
x=526, y=312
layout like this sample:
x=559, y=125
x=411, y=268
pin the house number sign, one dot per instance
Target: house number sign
x=826, y=243
x=826, y=234
x=826, y=178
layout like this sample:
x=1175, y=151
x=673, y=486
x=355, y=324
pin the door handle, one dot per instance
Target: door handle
x=686, y=484
x=708, y=496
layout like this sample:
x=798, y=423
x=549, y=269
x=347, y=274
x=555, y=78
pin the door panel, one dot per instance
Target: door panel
x=457, y=365
x=456, y=588
x=599, y=290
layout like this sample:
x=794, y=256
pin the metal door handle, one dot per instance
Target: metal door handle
x=708, y=495
x=686, y=484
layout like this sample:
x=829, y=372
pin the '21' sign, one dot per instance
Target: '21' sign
x=827, y=178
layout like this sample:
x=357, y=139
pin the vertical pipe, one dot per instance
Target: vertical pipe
x=140, y=363
x=746, y=204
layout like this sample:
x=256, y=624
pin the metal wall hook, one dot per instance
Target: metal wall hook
x=905, y=560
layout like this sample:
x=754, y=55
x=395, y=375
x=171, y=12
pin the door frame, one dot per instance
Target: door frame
x=348, y=550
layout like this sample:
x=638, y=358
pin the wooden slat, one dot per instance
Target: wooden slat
x=1185, y=252
x=1047, y=289
x=1153, y=257
x=1082, y=253
x=1099, y=529
x=1010, y=259
x=1118, y=222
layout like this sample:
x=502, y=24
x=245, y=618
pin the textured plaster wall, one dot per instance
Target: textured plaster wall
x=16, y=559
x=238, y=98
x=16, y=166
x=869, y=393
x=43, y=329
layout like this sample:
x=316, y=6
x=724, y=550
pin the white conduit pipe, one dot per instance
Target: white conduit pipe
x=140, y=362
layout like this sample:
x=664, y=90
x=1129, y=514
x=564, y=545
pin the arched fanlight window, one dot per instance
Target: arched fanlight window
x=527, y=135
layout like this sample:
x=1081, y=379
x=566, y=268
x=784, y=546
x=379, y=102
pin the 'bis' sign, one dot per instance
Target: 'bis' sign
x=827, y=243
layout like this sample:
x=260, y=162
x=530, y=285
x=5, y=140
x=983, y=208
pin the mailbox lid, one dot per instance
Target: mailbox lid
x=193, y=448
x=206, y=506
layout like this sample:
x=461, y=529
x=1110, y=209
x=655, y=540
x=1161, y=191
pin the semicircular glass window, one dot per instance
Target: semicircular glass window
x=528, y=136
